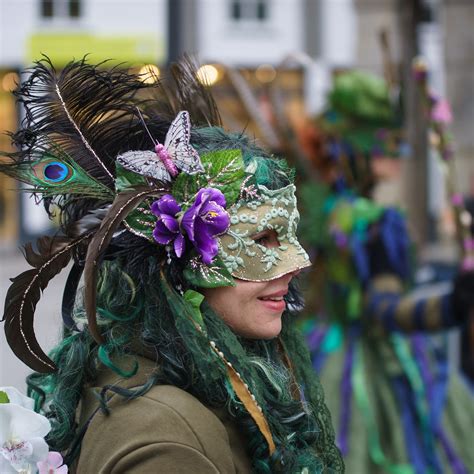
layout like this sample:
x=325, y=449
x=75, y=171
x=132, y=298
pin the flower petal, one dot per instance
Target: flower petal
x=208, y=252
x=205, y=243
x=17, y=398
x=179, y=245
x=6, y=467
x=40, y=450
x=210, y=194
x=162, y=235
x=24, y=424
x=215, y=217
x=167, y=204
x=55, y=459
x=187, y=222
x=170, y=223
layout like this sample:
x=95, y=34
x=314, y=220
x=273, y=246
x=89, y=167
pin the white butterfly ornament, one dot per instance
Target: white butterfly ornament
x=175, y=154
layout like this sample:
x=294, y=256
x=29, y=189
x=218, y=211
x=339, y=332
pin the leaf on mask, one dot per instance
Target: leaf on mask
x=208, y=276
x=224, y=170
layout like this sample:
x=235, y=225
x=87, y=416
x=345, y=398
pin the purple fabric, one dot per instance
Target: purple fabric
x=418, y=343
x=456, y=464
x=413, y=443
x=436, y=392
x=346, y=396
x=314, y=338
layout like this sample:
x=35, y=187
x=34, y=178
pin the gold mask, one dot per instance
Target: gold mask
x=273, y=210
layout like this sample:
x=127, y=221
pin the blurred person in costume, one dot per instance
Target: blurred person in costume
x=180, y=353
x=396, y=405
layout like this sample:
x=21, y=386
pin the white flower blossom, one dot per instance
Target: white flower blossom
x=22, y=443
x=17, y=398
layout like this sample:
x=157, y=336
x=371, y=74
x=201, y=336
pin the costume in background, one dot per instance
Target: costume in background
x=397, y=406
x=153, y=210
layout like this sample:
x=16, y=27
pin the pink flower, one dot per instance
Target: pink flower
x=457, y=200
x=52, y=465
x=441, y=112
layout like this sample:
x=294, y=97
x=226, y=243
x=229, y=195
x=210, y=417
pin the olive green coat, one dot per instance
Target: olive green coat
x=167, y=430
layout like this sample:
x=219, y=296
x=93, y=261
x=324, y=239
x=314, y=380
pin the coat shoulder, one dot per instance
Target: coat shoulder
x=166, y=425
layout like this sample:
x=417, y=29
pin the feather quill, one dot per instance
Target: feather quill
x=52, y=255
x=123, y=204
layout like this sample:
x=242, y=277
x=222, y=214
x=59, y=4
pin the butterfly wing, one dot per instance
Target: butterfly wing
x=144, y=163
x=185, y=157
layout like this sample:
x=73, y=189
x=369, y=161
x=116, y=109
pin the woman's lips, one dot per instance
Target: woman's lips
x=274, y=301
x=274, y=305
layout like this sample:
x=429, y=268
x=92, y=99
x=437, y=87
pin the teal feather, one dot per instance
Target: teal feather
x=57, y=174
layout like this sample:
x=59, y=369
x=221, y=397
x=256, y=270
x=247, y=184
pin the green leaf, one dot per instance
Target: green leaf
x=224, y=170
x=4, y=397
x=195, y=299
x=208, y=276
x=142, y=220
x=127, y=179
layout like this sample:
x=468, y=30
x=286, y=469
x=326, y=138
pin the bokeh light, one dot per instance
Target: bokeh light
x=265, y=73
x=10, y=81
x=149, y=73
x=208, y=74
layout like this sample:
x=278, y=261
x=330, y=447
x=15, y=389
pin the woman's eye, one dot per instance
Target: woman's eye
x=269, y=239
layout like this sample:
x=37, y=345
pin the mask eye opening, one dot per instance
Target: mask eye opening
x=267, y=238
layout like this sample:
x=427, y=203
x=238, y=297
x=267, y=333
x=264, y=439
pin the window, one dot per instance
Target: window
x=60, y=8
x=74, y=8
x=249, y=10
x=47, y=8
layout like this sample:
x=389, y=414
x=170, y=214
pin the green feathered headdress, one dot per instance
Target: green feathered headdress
x=363, y=112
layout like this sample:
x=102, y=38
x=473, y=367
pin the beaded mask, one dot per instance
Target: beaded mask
x=273, y=210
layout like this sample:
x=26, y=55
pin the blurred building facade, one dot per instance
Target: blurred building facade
x=313, y=36
x=126, y=32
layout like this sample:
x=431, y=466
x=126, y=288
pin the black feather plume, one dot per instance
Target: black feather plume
x=81, y=110
x=52, y=255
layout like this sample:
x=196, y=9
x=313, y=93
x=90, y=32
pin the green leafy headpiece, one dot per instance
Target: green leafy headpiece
x=363, y=113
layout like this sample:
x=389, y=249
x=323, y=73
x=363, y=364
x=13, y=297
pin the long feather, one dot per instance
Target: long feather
x=84, y=110
x=123, y=204
x=52, y=255
x=73, y=180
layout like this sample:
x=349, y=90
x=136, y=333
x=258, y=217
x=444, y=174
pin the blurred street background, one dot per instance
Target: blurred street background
x=243, y=46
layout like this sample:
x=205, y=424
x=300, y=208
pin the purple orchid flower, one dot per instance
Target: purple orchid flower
x=167, y=225
x=205, y=220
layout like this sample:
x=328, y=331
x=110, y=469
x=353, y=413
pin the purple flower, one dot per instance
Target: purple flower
x=52, y=465
x=167, y=225
x=205, y=220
